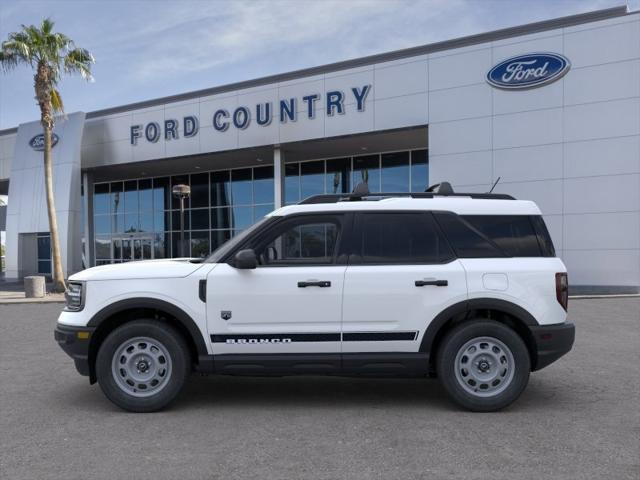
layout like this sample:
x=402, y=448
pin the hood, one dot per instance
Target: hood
x=164, y=268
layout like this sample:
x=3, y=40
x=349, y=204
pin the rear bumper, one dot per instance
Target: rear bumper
x=552, y=342
x=75, y=343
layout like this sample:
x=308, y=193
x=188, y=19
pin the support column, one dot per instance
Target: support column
x=278, y=176
x=87, y=206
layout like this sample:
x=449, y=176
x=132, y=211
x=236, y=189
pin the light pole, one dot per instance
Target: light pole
x=182, y=192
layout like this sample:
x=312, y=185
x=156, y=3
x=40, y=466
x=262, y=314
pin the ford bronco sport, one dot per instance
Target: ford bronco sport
x=465, y=287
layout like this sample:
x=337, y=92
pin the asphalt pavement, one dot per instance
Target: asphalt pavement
x=578, y=419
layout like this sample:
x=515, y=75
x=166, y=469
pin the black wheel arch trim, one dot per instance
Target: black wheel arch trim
x=155, y=304
x=466, y=306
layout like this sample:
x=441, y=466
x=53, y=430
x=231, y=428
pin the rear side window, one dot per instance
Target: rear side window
x=484, y=236
x=465, y=239
x=514, y=234
x=544, y=239
x=400, y=238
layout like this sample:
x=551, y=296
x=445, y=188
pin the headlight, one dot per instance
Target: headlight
x=74, y=296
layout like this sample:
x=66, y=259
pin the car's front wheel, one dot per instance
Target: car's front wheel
x=483, y=365
x=142, y=365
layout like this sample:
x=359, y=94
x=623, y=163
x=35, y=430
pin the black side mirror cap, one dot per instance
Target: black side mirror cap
x=245, y=259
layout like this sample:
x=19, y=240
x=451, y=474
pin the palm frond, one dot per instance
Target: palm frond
x=56, y=101
x=79, y=60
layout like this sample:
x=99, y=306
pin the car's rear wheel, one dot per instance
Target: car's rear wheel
x=142, y=365
x=483, y=365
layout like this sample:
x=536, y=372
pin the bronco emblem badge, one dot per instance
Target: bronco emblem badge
x=225, y=314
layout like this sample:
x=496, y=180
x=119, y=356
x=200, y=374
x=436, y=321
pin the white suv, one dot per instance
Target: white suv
x=465, y=287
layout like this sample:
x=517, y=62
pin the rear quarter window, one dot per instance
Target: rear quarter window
x=485, y=236
x=514, y=234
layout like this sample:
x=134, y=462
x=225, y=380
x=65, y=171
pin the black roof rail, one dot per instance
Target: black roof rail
x=350, y=197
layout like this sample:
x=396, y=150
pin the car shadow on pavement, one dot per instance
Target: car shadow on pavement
x=312, y=391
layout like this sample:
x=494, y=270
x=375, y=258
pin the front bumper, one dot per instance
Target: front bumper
x=552, y=342
x=75, y=342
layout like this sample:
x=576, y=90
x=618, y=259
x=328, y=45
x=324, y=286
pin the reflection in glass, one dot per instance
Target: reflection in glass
x=102, y=224
x=103, y=247
x=220, y=218
x=145, y=195
x=311, y=179
x=218, y=237
x=241, y=191
x=260, y=211
x=199, y=244
x=242, y=217
x=146, y=222
x=220, y=189
x=131, y=223
x=263, y=185
x=395, y=172
x=160, y=221
x=292, y=183
x=367, y=169
x=200, y=190
x=161, y=194
x=419, y=170
x=175, y=220
x=338, y=173
x=179, y=180
x=101, y=198
x=200, y=219
x=160, y=243
x=117, y=248
x=131, y=196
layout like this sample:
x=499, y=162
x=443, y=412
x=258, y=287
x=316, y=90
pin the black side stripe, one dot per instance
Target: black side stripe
x=315, y=337
x=378, y=336
x=290, y=337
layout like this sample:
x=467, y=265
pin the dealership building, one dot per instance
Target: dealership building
x=551, y=108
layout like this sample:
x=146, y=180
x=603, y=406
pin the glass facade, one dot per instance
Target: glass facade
x=140, y=219
x=406, y=171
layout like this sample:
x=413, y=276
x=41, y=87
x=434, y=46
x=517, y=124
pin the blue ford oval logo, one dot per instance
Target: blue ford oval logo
x=37, y=142
x=528, y=71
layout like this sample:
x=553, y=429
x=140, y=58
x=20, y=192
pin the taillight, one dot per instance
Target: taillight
x=562, y=289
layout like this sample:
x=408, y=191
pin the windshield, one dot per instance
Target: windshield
x=229, y=245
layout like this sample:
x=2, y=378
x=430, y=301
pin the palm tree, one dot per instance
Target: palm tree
x=50, y=55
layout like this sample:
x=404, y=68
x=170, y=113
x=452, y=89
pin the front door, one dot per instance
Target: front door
x=401, y=274
x=291, y=303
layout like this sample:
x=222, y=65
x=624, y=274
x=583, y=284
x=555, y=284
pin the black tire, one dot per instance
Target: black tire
x=179, y=361
x=458, y=386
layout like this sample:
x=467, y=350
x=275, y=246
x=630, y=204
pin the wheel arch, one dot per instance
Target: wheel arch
x=123, y=311
x=503, y=311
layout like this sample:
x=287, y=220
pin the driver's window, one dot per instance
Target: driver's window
x=302, y=243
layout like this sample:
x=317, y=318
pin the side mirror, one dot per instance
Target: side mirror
x=245, y=259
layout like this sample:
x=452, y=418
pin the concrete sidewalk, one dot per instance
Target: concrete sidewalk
x=13, y=292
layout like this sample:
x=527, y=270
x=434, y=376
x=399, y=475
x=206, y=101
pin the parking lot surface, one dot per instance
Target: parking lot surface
x=578, y=418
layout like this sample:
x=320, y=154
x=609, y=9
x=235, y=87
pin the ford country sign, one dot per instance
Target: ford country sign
x=528, y=71
x=37, y=142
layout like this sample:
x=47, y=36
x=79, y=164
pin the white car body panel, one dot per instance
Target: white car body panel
x=384, y=298
x=530, y=284
x=267, y=300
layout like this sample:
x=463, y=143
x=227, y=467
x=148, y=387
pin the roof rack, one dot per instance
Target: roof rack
x=361, y=193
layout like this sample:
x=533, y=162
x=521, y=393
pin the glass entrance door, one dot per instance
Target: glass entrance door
x=130, y=249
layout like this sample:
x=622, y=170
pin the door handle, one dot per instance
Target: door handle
x=314, y=283
x=437, y=283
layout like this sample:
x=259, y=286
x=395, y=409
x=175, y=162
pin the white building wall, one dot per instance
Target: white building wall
x=397, y=99
x=7, y=146
x=572, y=146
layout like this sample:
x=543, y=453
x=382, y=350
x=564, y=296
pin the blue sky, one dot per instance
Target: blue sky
x=151, y=48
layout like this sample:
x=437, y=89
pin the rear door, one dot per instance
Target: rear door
x=401, y=274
